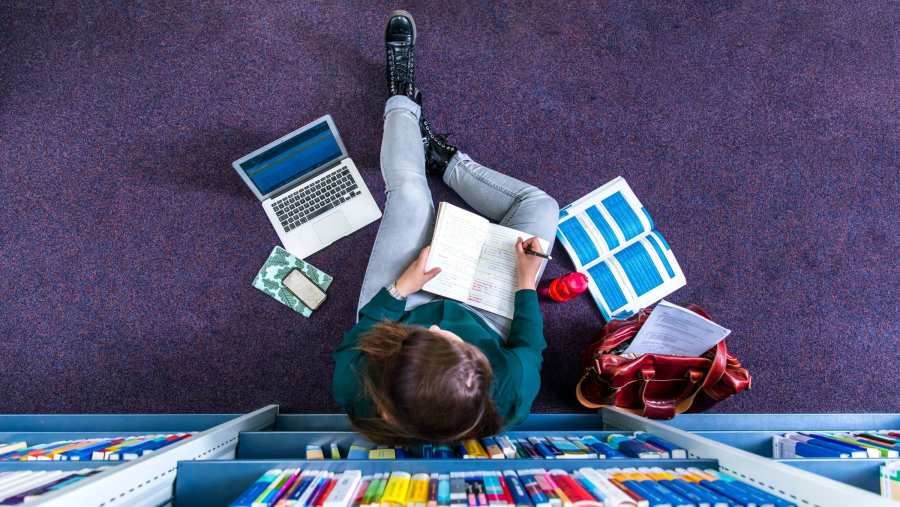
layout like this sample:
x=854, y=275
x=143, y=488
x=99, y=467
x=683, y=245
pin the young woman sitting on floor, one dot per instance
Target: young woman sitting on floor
x=417, y=367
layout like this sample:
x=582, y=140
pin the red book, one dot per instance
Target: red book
x=321, y=500
x=506, y=494
x=574, y=491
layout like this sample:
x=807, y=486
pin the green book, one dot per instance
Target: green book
x=279, y=264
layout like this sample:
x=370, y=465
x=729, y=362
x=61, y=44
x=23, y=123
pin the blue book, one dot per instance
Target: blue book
x=671, y=496
x=695, y=494
x=250, y=494
x=137, y=450
x=601, y=448
x=528, y=449
x=634, y=448
x=826, y=440
x=543, y=447
x=673, y=450
x=85, y=453
x=304, y=482
x=358, y=451
x=757, y=494
x=443, y=452
x=790, y=448
x=443, y=490
x=652, y=496
x=516, y=489
x=611, y=238
x=723, y=488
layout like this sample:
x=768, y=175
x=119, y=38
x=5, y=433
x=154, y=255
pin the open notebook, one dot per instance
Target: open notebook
x=477, y=260
x=610, y=237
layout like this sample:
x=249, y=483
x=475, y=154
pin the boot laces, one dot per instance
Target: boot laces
x=439, y=139
x=401, y=69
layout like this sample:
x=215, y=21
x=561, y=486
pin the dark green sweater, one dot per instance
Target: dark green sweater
x=516, y=363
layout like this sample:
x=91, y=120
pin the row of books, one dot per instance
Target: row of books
x=863, y=444
x=586, y=487
x=616, y=446
x=890, y=480
x=105, y=449
x=21, y=487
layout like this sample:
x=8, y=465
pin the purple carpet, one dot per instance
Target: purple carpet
x=763, y=139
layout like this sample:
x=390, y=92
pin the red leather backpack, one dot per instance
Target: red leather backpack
x=654, y=385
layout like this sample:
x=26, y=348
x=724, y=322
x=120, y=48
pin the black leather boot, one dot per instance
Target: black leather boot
x=400, y=43
x=438, y=151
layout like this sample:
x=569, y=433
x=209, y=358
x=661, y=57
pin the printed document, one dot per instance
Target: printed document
x=676, y=331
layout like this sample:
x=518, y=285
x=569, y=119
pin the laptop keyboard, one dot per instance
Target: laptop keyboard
x=297, y=208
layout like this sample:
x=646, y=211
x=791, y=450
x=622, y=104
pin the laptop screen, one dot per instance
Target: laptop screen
x=292, y=158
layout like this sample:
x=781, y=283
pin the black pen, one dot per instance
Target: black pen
x=529, y=251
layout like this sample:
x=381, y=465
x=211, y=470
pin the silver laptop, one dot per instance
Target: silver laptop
x=309, y=187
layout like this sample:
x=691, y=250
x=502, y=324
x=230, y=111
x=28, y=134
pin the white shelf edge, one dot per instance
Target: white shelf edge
x=148, y=481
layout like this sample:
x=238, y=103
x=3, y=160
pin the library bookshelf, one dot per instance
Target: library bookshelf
x=230, y=451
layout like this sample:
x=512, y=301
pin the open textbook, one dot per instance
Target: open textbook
x=610, y=237
x=477, y=260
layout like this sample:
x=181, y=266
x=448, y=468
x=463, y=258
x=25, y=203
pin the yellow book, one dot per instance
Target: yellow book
x=474, y=449
x=661, y=475
x=701, y=475
x=396, y=490
x=382, y=452
x=55, y=455
x=418, y=491
x=314, y=452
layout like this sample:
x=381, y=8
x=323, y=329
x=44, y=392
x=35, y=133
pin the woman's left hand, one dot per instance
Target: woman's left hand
x=415, y=277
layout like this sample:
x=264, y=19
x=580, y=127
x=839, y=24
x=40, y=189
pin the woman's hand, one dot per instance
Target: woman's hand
x=415, y=276
x=527, y=266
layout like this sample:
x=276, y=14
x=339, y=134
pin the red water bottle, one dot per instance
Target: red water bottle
x=565, y=287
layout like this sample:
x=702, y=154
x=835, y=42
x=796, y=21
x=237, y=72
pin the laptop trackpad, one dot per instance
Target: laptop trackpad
x=332, y=227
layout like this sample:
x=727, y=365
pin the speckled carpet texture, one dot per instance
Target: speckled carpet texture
x=761, y=136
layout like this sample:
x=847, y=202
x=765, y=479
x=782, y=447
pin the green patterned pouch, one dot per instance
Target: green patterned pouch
x=277, y=266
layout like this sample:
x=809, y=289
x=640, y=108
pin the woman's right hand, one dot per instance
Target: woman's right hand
x=415, y=277
x=527, y=266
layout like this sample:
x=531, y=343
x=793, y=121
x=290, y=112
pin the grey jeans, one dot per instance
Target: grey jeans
x=408, y=220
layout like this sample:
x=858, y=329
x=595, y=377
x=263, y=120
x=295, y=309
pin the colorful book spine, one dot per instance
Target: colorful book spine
x=396, y=490
x=585, y=487
x=498, y=447
x=418, y=490
x=634, y=448
x=604, y=451
x=890, y=480
x=443, y=492
x=344, y=490
x=853, y=444
x=107, y=449
x=474, y=449
x=458, y=497
x=673, y=450
x=433, y=483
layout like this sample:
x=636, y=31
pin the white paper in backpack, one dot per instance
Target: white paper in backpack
x=676, y=331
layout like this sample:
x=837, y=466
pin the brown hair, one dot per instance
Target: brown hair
x=425, y=388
